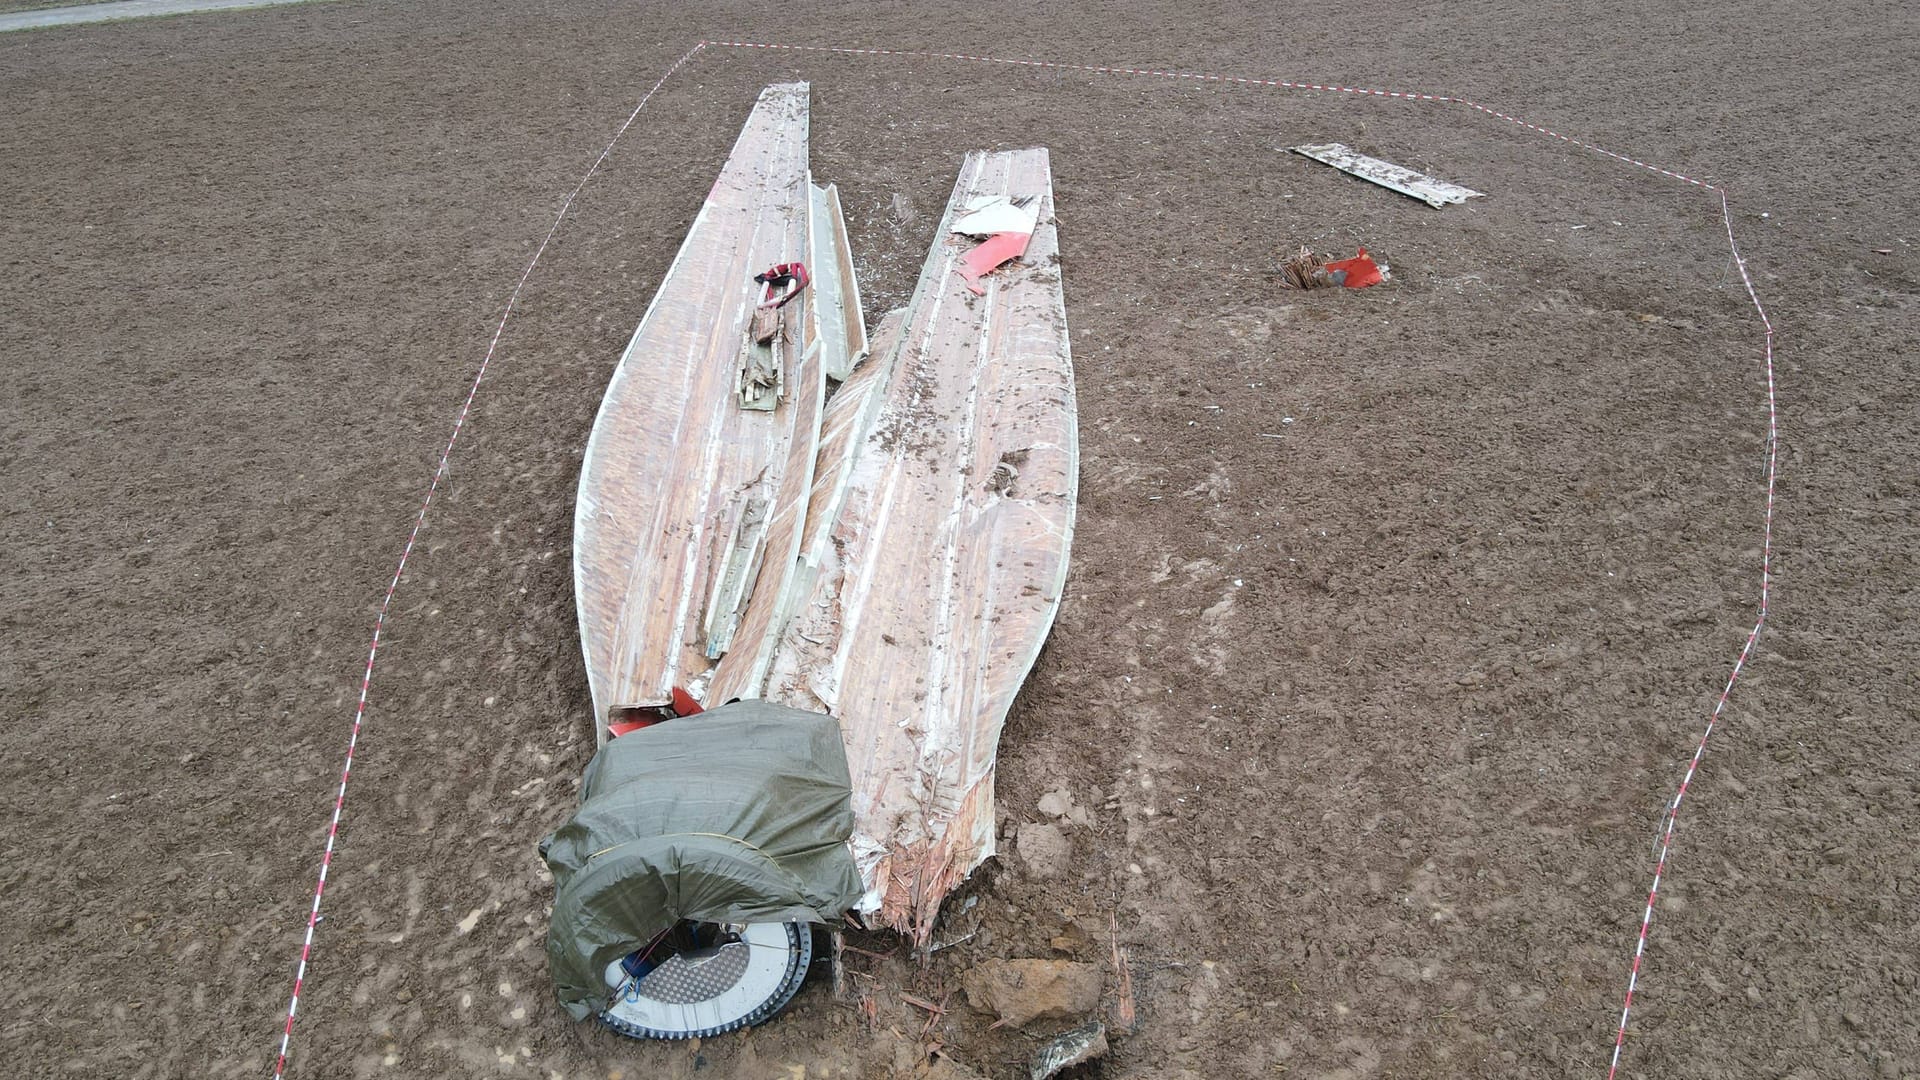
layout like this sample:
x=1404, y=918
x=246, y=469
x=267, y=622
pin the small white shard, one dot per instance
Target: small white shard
x=1430, y=190
x=986, y=215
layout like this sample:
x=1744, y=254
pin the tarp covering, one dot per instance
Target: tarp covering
x=738, y=814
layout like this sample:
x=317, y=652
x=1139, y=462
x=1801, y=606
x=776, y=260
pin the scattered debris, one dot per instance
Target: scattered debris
x=1306, y=270
x=836, y=963
x=1434, y=192
x=782, y=282
x=1004, y=222
x=961, y=940
x=983, y=260
x=1068, y=1049
x=1022, y=991
x=933, y=1010
x=986, y=215
x=623, y=720
x=778, y=285
x=1357, y=272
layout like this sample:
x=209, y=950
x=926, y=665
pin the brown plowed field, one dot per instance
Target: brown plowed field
x=1373, y=721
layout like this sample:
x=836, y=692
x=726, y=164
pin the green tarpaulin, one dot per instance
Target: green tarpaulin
x=738, y=814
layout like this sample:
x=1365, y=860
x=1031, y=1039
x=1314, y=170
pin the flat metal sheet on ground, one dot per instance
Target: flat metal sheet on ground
x=1428, y=189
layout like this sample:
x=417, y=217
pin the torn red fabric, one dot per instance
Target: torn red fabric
x=997, y=249
x=788, y=277
x=1357, y=272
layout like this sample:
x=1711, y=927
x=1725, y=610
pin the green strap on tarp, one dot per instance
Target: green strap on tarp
x=737, y=814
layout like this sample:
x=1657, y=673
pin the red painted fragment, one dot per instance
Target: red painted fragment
x=621, y=727
x=996, y=249
x=789, y=278
x=680, y=704
x=1357, y=272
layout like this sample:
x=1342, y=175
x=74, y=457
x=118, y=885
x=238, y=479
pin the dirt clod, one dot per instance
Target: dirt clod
x=1022, y=991
x=1044, y=850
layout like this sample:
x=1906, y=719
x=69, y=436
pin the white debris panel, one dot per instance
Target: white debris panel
x=1430, y=190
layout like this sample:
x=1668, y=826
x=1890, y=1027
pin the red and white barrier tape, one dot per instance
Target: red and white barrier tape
x=1236, y=80
x=419, y=520
x=1739, y=663
x=1726, y=215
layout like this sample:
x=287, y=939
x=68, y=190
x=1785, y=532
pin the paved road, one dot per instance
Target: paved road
x=124, y=9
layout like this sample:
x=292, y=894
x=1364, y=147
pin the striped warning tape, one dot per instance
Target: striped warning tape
x=393, y=586
x=1739, y=663
x=1238, y=80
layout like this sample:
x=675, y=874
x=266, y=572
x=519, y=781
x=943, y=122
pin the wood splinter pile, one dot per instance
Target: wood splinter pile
x=1304, y=270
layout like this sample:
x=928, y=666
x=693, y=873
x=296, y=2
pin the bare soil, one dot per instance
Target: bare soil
x=1373, y=721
